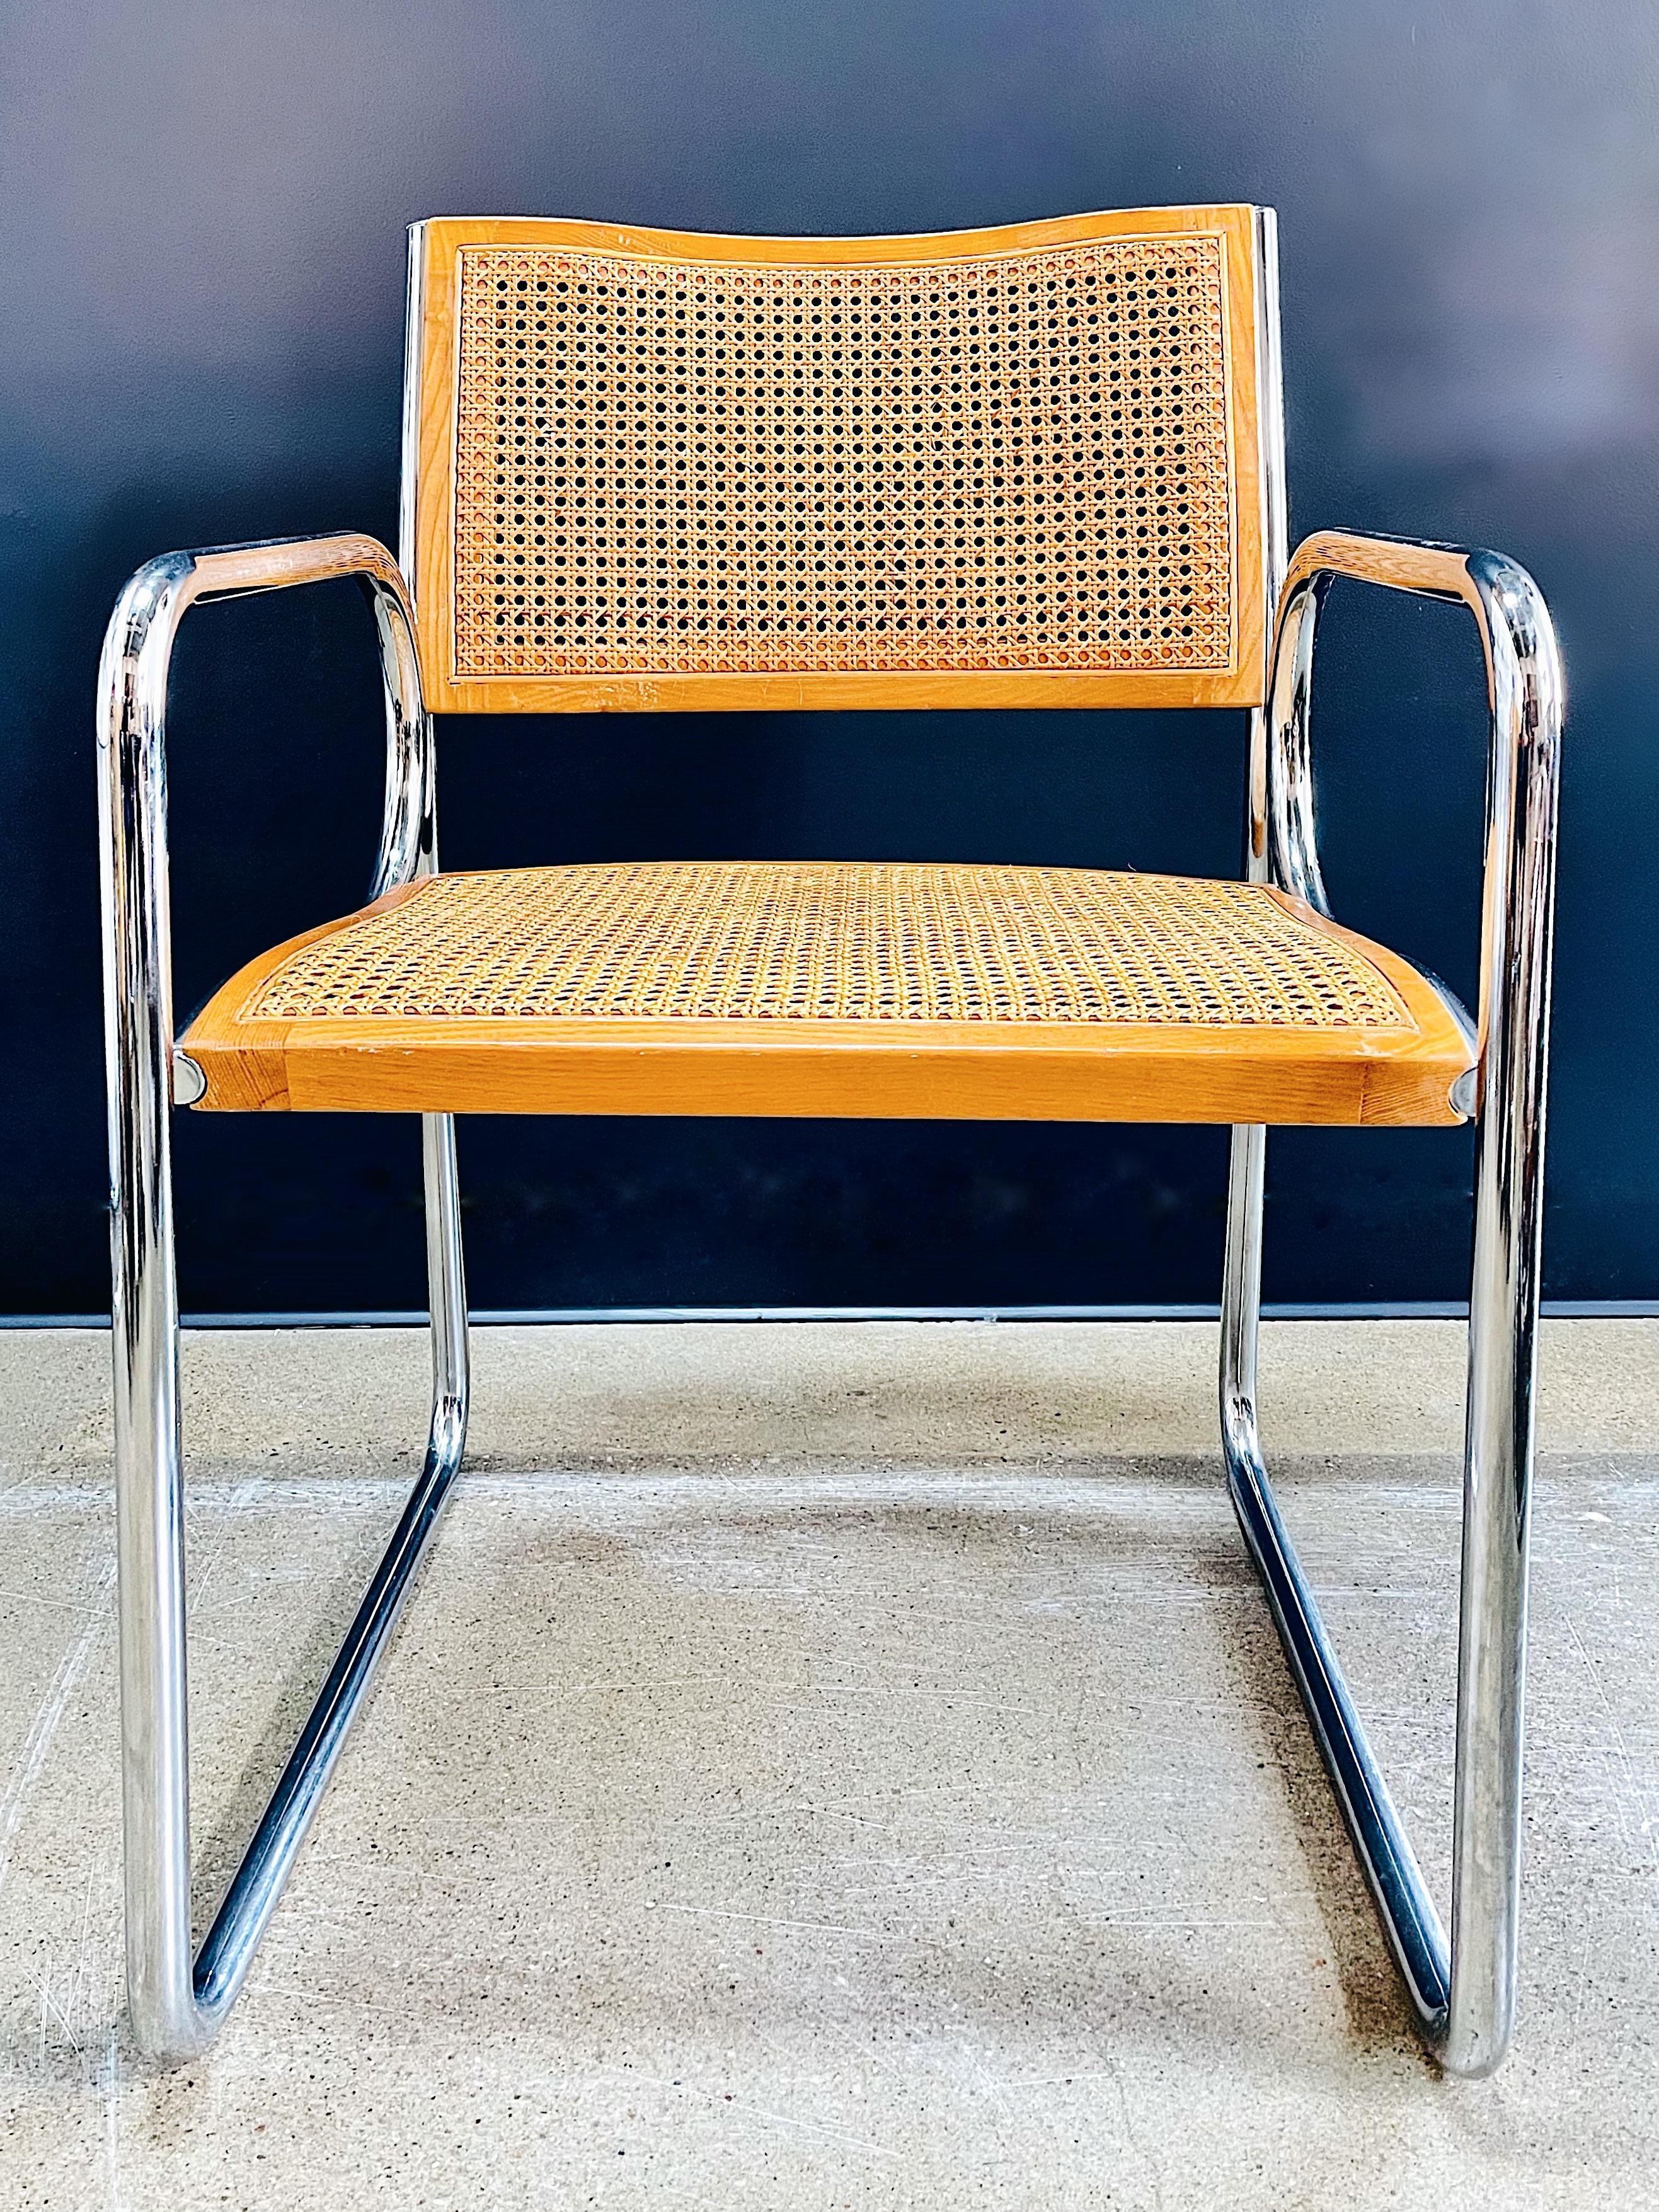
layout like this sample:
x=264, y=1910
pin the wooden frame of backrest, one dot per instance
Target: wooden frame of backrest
x=1254, y=440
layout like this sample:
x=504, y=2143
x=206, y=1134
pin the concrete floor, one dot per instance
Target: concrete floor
x=830, y=1767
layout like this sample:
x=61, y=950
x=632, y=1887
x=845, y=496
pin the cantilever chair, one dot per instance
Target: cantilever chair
x=1037, y=466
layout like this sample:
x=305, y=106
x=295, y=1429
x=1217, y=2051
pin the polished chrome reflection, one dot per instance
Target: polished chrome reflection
x=177, y=2004
x=1464, y=1989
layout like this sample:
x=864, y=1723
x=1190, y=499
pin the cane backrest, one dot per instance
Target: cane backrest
x=1011, y=467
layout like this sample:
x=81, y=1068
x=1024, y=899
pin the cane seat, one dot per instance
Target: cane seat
x=840, y=989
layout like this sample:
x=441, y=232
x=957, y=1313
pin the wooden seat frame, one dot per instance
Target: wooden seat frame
x=897, y=1069
x=1462, y=1990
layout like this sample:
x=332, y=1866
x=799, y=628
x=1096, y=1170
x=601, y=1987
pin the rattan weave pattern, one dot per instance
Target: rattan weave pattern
x=856, y=942
x=1015, y=461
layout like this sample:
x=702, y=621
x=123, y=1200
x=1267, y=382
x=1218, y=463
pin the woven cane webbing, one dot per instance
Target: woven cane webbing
x=1012, y=461
x=753, y=941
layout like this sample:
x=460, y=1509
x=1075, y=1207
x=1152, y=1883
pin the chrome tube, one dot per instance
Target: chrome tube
x=1240, y=1278
x=1464, y=1990
x=1290, y=833
x=177, y=2003
x=144, y=1307
x=445, y=1274
x=445, y=1270
x=1241, y=1286
x=1517, y=942
x=409, y=823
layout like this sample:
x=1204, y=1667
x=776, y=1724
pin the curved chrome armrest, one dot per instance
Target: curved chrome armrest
x=1525, y=690
x=132, y=695
x=177, y=1996
x=1464, y=1987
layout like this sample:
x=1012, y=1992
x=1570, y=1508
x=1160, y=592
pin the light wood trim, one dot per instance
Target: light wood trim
x=443, y=237
x=815, y=690
x=951, y=1071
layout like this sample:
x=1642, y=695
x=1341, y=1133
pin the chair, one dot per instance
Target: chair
x=643, y=471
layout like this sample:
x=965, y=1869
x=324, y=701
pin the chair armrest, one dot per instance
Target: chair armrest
x=1525, y=691
x=131, y=764
x=132, y=695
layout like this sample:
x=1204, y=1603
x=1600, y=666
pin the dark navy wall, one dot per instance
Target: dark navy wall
x=201, y=235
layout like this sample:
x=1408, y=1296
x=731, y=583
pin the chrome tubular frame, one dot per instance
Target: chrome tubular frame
x=177, y=2005
x=1463, y=1992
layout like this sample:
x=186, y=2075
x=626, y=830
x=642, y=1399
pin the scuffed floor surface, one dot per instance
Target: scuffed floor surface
x=830, y=1767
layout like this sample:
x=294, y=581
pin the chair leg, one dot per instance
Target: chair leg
x=1463, y=1992
x=177, y=2005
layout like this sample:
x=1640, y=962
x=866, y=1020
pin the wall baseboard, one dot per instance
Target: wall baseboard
x=568, y=1316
